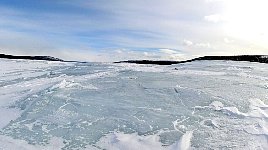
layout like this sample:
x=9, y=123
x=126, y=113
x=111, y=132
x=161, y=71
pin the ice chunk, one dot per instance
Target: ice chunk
x=216, y=105
x=8, y=143
x=118, y=141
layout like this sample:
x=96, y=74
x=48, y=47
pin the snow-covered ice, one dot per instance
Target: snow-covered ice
x=198, y=105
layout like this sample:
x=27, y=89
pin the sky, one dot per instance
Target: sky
x=113, y=30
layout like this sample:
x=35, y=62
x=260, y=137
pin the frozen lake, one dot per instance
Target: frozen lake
x=198, y=105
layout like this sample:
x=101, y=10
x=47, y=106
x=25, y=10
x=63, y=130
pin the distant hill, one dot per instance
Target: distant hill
x=48, y=58
x=250, y=58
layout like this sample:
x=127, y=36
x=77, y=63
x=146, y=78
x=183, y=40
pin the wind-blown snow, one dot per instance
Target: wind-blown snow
x=198, y=105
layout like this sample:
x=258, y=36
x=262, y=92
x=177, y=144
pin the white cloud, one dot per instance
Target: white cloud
x=197, y=45
x=214, y=0
x=170, y=54
x=145, y=53
x=203, y=45
x=214, y=18
x=168, y=51
x=187, y=43
x=227, y=40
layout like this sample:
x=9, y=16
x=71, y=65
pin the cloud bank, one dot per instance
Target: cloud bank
x=114, y=30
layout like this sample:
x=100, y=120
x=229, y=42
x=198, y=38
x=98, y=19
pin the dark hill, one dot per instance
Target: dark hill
x=48, y=58
x=250, y=58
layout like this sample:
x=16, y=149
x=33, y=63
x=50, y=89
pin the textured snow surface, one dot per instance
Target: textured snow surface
x=198, y=105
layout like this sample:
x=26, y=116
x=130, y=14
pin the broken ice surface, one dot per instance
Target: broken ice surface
x=200, y=105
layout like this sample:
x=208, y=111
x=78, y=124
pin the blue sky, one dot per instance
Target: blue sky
x=101, y=30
